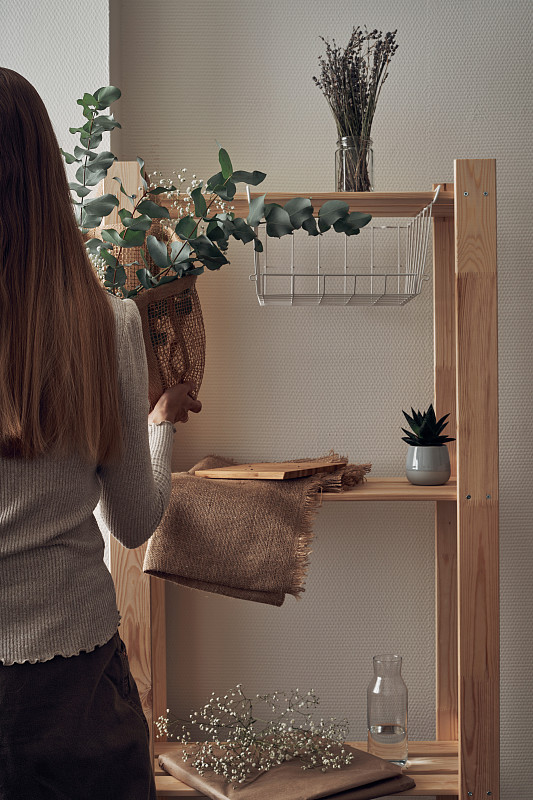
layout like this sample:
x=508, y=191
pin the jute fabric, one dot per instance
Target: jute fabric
x=242, y=538
x=364, y=778
x=173, y=325
x=174, y=335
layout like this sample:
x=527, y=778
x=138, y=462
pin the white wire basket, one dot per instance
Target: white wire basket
x=383, y=266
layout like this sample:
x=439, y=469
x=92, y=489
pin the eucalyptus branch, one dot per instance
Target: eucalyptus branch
x=190, y=253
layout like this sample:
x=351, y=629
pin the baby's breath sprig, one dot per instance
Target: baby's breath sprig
x=180, y=196
x=242, y=744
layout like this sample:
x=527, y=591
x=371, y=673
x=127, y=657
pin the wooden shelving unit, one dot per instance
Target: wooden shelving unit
x=393, y=489
x=433, y=766
x=464, y=761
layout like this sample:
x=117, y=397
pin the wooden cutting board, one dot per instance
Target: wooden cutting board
x=272, y=470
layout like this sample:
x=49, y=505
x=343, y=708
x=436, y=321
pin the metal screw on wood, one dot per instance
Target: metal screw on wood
x=466, y=194
x=489, y=793
x=485, y=194
x=468, y=497
x=488, y=497
x=470, y=794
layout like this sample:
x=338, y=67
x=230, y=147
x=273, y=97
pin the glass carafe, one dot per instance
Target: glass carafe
x=387, y=710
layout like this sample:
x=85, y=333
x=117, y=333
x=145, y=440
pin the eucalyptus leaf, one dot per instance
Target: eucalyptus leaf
x=103, y=205
x=92, y=140
x=352, y=223
x=215, y=180
x=186, y=227
x=141, y=223
x=122, y=189
x=278, y=221
x=94, y=246
x=79, y=130
x=153, y=210
x=330, y=212
x=107, y=256
x=253, y=178
x=81, y=191
x=90, y=177
x=179, y=251
x=144, y=276
x=162, y=190
x=106, y=122
x=226, y=192
x=242, y=231
x=205, y=247
x=112, y=236
x=110, y=276
x=309, y=225
x=299, y=209
x=256, y=211
x=133, y=238
x=89, y=220
x=158, y=251
x=70, y=159
x=102, y=160
x=107, y=95
x=214, y=263
x=198, y=199
x=120, y=276
x=87, y=100
x=225, y=163
x=143, y=179
x=80, y=152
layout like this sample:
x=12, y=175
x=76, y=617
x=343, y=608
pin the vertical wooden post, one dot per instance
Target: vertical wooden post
x=477, y=465
x=140, y=598
x=445, y=512
x=444, y=322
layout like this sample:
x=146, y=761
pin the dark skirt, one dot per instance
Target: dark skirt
x=74, y=729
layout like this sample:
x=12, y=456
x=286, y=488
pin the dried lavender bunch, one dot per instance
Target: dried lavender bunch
x=351, y=81
x=243, y=745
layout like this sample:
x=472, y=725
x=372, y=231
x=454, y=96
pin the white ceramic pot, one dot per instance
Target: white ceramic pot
x=427, y=466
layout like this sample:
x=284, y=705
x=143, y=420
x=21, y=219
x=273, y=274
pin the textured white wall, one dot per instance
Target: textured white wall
x=284, y=383
x=62, y=48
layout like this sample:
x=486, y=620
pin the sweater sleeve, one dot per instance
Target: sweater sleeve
x=136, y=490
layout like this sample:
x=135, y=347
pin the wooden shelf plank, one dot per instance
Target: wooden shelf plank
x=379, y=204
x=433, y=766
x=393, y=489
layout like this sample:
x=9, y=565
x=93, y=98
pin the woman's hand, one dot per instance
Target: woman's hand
x=174, y=404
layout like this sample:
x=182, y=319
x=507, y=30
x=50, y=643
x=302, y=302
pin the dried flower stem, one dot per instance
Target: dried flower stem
x=244, y=745
x=351, y=81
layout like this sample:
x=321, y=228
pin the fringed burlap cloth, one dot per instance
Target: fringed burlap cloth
x=242, y=538
x=365, y=778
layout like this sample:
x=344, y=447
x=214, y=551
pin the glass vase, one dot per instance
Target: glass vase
x=354, y=165
x=387, y=710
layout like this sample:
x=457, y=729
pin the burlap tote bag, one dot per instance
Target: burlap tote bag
x=172, y=321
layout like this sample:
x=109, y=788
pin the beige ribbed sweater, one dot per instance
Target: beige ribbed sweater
x=56, y=594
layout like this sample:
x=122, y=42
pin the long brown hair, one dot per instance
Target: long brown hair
x=58, y=367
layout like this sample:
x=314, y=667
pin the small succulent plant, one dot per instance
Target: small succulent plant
x=426, y=429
